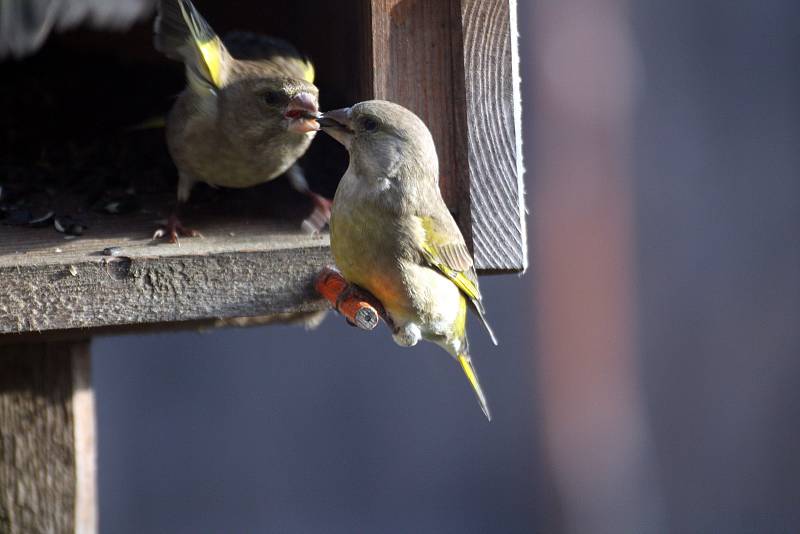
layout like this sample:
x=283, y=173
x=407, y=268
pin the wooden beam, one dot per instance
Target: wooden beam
x=240, y=269
x=412, y=62
x=454, y=63
x=493, y=118
x=156, y=289
x=47, y=439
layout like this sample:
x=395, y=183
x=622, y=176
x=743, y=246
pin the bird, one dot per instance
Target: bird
x=26, y=24
x=248, y=111
x=392, y=234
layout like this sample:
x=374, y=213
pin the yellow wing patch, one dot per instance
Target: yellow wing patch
x=445, y=250
x=308, y=71
x=458, y=278
x=440, y=255
x=207, y=42
x=212, y=56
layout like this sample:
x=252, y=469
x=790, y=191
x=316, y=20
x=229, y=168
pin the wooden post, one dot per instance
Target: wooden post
x=594, y=424
x=47, y=438
x=454, y=63
x=492, y=118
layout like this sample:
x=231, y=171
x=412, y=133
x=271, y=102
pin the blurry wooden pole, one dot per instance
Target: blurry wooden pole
x=47, y=439
x=595, y=435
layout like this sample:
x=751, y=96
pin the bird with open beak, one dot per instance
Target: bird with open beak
x=247, y=114
x=391, y=232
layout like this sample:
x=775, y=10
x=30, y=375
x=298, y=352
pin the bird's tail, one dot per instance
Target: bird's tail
x=183, y=34
x=472, y=376
x=481, y=311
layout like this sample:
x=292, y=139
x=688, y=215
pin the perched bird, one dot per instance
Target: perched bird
x=391, y=232
x=26, y=24
x=248, y=111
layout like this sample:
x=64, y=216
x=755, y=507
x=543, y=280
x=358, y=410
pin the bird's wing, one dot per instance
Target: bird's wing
x=25, y=24
x=445, y=250
x=277, y=52
x=182, y=33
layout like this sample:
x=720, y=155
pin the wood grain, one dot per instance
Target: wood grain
x=38, y=470
x=493, y=118
x=412, y=61
x=242, y=268
x=454, y=63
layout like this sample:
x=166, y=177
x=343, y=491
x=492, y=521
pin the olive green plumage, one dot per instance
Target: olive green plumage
x=246, y=114
x=391, y=232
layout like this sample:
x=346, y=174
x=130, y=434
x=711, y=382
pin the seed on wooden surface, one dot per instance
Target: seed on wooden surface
x=112, y=251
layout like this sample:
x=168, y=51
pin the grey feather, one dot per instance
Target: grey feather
x=26, y=24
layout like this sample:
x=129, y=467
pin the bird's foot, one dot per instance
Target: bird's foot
x=321, y=215
x=407, y=336
x=174, y=228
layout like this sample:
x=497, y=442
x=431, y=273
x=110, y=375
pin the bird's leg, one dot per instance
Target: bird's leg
x=408, y=335
x=173, y=227
x=321, y=215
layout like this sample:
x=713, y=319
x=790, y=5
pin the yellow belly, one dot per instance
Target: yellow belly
x=364, y=254
x=369, y=253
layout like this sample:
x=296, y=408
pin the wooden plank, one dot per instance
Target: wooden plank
x=243, y=267
x=46, y=422
x=412, y=64
x=143, y=287
x=454, y=64
x=494, y=132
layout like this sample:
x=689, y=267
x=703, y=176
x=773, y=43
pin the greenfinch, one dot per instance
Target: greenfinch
x=247, y=114
x=392, y=234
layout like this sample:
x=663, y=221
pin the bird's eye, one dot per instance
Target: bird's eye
x=271, y=97
x=369, y=125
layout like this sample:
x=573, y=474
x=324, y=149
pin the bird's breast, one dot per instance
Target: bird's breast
x=364, y=249
x=372, y=250
x=200, y=148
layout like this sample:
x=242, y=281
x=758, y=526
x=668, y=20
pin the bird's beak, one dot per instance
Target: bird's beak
x=338, y=125
x=302, y=113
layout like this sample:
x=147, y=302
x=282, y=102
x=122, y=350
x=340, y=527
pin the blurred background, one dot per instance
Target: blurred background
x=648, y=373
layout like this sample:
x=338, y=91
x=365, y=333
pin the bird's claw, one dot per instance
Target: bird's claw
x=173, y=229
x=320, y=217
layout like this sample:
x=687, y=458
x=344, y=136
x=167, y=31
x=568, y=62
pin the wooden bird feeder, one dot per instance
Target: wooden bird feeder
x=453, y=62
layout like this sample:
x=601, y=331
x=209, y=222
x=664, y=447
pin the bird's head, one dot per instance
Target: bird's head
x=256, y=108
x=384, y=139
